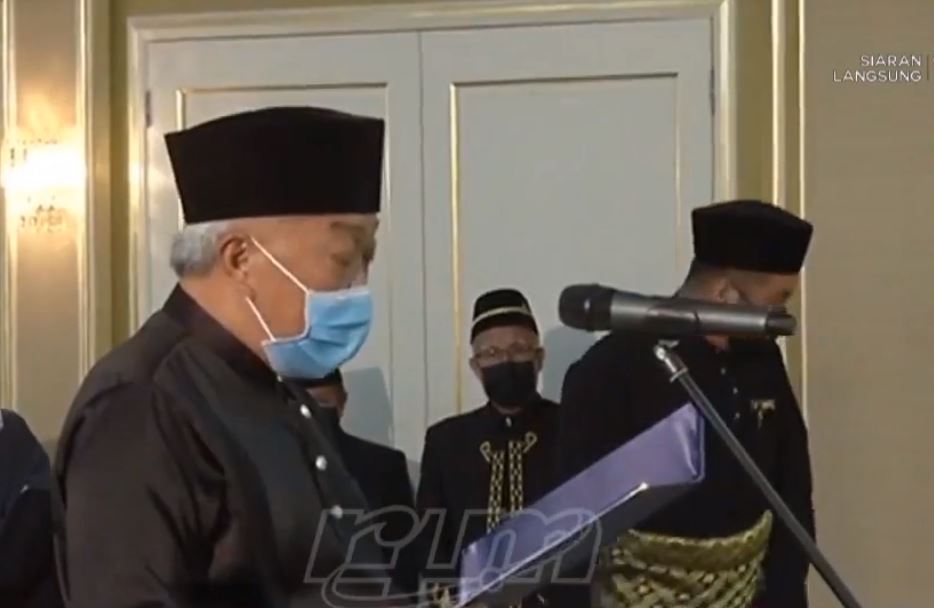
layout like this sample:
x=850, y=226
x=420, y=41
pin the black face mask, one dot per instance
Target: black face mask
x=510, y=384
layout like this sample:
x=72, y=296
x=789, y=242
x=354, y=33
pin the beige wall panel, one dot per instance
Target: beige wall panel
x=870, y=299
x=44, y=278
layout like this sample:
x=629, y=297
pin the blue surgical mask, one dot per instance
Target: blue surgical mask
x=337, y=324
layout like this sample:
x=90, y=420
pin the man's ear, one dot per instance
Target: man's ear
x=724, y=291
x=540, y=360
x=235, y=260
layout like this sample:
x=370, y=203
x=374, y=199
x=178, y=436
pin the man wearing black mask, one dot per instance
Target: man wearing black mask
x=481, y=466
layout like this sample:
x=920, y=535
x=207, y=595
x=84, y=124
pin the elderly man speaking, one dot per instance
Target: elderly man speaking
x=189, y=473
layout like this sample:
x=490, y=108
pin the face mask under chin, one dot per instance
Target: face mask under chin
x=511, y=384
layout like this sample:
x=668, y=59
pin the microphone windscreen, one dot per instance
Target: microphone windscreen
x=585, y=307
x=781, y=323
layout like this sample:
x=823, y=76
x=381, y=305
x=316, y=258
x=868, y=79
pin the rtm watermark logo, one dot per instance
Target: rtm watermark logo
x=887, y=68
x=363, y=578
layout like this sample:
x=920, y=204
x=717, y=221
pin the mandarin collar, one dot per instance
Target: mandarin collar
x=513, y=421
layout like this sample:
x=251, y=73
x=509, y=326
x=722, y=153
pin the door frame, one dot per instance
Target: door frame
x=145, y=32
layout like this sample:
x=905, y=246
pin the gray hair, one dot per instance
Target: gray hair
x=194, y=248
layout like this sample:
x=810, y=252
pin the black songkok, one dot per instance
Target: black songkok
x=750, y=235
x=501, y=307
x=278, y=161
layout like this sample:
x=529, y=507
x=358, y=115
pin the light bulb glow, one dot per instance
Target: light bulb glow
x=34, y=168
x=42, y=182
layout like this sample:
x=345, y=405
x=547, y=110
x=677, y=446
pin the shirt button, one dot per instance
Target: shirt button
x=735, y=391
x=722, y=371
x=337, y=512
x=321, y=463
x=305, y=411
x=508, y=422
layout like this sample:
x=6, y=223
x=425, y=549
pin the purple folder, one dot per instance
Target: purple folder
x=562, y=530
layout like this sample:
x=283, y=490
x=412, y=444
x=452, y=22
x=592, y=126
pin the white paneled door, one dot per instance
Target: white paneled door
x=533, y=156
x=557, y=155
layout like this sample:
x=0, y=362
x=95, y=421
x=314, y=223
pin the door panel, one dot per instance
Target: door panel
x=557, y=155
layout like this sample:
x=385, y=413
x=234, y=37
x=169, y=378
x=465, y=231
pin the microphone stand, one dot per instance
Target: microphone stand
x=678, y=372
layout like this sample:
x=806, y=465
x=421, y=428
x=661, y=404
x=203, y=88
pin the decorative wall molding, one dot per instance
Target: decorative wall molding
x=787, y=189
x=7, y=246
x=802, y=207
x=93, y=105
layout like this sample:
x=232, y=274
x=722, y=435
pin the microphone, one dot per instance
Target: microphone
x=599, y=308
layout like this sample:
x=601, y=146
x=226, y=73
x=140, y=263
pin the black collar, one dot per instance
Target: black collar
x=525, y=414
x=204, y=328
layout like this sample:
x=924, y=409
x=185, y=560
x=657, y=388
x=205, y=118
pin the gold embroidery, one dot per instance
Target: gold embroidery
x=516, y=483
x=486, y=449
x=497, y=460
x=644, y=570
x=515, y=449
x=441, y=597
x=503, y=310
x=494, y=510
x=530, y=440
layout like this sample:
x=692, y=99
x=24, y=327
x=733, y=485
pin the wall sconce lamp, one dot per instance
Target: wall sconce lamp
x=42, y=181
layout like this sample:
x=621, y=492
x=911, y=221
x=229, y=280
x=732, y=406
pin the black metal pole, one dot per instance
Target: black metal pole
x=678, y=372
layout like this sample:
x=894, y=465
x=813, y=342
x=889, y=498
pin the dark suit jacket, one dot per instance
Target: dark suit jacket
x=383, y=475
x=457, y=477
x=190, y=475
x=27, y=569
x=617, y=390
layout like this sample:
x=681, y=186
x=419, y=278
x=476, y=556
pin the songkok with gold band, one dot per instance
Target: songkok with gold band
x=750, y=235
x=278, y=162
x=501, y=307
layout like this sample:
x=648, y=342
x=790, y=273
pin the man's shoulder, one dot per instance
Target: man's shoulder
x=371, y=459
x=547, y=404
x=137, y=360
x=13, y=422
x=620, y=350
x=122, y=391
x=373, y=449
x=547, y=409
x=116, y=418
x=455, y=424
